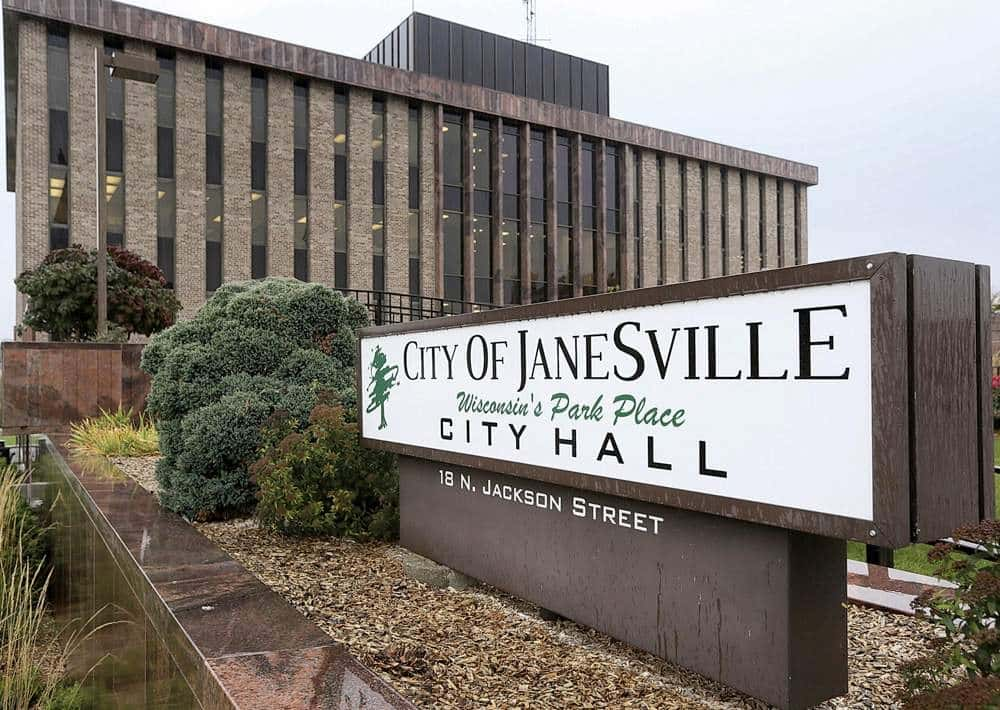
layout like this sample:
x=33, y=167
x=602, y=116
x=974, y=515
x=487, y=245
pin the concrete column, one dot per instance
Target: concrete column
x=788, y=222
x=236, y=172
x=770, y=223
x=803, y=226
x=32, y=153
x=397, y=226
x=629, y=189
x=280, y=176
x=82, y=133
x=190, y=172
x=140, y=160
x=321, y=170
x=626, y=236
x=430, y=210
x=751, y=206
x=359, y=189
x=734, y=253
x=671, y=220
x=693, y=215
x=714, y=216
x=650, y=187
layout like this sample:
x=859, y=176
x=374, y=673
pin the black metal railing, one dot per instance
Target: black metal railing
x=386, y=307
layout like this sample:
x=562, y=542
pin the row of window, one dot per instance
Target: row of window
x=470, y=203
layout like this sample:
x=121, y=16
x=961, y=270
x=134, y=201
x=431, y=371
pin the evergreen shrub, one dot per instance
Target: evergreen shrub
x=254, y=348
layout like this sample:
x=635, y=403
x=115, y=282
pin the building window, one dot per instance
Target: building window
x=661, y=244
x=564, y=219
x=414, y=199
x=637, y=219
x=743, y=222
x=724, y=237
x=213, y=174
x=482, y=212
x=537, y=238
x=57, y=80
x=703, y=169
x=682, y=218
x=258, y=174
x=300, y=198
x=114, y=188
x=781, y=223
x=378, y=194
x=612, y=193
x=762, y=221
x=340, y=188
x=588, y=217
x=510, y=227
x=166, y=186
x=454, y=208
x=798, y=224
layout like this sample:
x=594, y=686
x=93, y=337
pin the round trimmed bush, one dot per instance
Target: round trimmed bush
x=256, y=348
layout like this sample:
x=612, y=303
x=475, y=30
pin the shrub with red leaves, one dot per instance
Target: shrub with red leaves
x=62, y=295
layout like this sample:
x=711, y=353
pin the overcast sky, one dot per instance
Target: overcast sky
x=898, y=103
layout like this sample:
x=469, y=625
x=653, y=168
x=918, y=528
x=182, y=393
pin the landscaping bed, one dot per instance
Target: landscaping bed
x=479, y=647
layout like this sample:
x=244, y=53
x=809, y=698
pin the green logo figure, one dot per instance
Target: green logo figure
x=383, y=379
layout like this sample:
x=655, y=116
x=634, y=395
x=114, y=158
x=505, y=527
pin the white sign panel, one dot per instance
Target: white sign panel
x=763, y=397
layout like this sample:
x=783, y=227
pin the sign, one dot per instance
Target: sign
x=658, y=462
x=738, y=396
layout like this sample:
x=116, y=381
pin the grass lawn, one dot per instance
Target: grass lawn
x=914, y=557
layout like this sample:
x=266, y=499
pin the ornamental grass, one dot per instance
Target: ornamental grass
x=117, y=433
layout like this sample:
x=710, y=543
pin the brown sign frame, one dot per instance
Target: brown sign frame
x=899, y=515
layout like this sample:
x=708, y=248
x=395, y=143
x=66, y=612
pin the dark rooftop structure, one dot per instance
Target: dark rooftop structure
x=448, y=50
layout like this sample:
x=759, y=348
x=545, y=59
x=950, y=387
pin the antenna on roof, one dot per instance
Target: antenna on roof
x=531, y=31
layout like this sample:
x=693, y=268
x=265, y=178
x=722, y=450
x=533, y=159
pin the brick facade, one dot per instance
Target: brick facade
x=140, y=175
x=236, y=173
x=397, y=212
x=321, y=173
x=190, y=171
x=280, y=176
x=140, y=161
x=359, y=189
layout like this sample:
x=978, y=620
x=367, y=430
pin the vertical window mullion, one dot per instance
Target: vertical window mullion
x=213, y=174
x=482, y=210
x=340, y=168
x=114, y=188
x=413, y=177
x=300, y=197
x=166, y=188
x=453, y=214
x=538, y=238
x=510, y=230
x=378, y=194
x=57, y=86
x=258, y=174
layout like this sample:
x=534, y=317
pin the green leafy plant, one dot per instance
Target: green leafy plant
x=321, y=481
x=967, y=656
x=255, y=348
x=62, y=295
x=117, y=433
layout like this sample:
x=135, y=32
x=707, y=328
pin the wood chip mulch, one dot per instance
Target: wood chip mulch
x=480, y=648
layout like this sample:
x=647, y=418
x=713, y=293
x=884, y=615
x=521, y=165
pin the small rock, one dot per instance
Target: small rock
x=434, y=575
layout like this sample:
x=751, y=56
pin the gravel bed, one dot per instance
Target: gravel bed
x=142, y=469
x=479, y=647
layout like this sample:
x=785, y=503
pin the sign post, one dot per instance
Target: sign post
x=679, y=466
